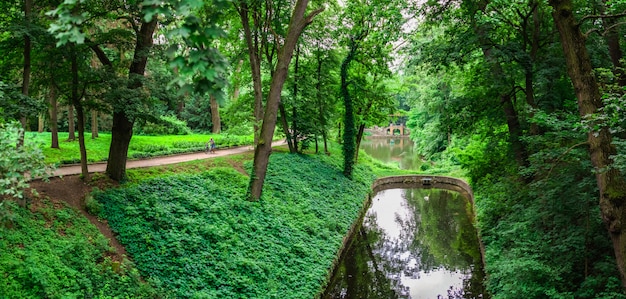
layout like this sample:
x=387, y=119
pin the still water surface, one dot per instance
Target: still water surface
x=396, y=150
x=413, y=243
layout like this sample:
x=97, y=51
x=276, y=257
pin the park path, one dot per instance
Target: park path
x=156, y=161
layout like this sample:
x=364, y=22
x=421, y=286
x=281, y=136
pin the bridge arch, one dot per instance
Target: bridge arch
x=393, y=127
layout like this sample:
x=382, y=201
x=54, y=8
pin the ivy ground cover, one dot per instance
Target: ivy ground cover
x=50, y=251
x=196, y=235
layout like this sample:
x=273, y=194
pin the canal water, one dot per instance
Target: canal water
x=413, y=243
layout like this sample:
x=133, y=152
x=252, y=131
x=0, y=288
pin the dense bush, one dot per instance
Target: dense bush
x=53, y=252
x=165, y=125
x=197, y=236
x=15, y=161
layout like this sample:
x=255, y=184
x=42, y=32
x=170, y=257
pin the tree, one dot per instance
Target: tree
x=215, y=115
x=252, y=38
x=28, y=7
x=122, y=130
x=202, y=63
x=373, y=26
x=611, y=183
x=306, y=107
x=514, y=42
x=263, y=148
x=68, y=29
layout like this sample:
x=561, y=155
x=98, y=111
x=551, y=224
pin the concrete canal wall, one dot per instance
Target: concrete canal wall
x=403, y=182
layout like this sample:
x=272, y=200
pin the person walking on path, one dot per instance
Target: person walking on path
x=211, y=145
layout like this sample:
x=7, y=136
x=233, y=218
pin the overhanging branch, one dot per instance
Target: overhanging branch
x=611, y=16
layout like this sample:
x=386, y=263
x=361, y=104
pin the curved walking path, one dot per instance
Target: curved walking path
x=156, y=161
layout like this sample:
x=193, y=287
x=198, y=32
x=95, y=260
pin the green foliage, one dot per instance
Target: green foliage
x=546, y=241
x=545, y=238
x=197, y=236
x=53, y=252
x=16, y=162
x=201, y=66
x=165, y=125
x=197, y=113
x=14, y=105
x=238, y=118
x=93, y=206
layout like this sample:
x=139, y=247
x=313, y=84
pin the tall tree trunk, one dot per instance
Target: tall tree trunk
x=255, y=67
x=28, y=6
x=349, y=134
x=264, y=147
x=294, y=127
x=122, y=130
x=611, y=182
x=54, y=126
x=237, y=82
x=71, y=128
x=215, y=115
x=283, y=122
x=80, y=115
x=94, y=124
x=320, y=103
x=40, y=123
x=294, y=107
x=359, y=137
x=515, y=130
x=518, y=148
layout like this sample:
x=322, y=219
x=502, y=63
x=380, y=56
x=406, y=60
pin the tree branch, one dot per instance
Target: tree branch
x=131, y=21
x=613, y=16
x=563, y=155
x=605, y=30
x=308, y=19
x=99, y=53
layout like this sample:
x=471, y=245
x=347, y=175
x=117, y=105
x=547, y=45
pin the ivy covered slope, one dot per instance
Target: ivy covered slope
x=196, y=235
x=51, y=251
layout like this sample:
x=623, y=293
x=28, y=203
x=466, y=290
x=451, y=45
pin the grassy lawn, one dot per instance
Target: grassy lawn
x=140, y=146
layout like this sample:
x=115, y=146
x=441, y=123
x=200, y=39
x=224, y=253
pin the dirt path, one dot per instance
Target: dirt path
x=101, y=167
x=66, y=186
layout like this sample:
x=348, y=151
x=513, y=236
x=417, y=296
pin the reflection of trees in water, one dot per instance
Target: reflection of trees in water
x=366, y=271
x=436, y=234
x=397, y=150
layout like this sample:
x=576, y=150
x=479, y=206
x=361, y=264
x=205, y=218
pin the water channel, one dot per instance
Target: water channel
x=413, y=243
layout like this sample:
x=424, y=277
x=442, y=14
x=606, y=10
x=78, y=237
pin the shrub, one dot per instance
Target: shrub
x=166, y=125
x=15, y=161
x=93, y=206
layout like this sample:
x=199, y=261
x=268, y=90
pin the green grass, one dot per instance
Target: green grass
x=196, y=236
x=140, y=146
